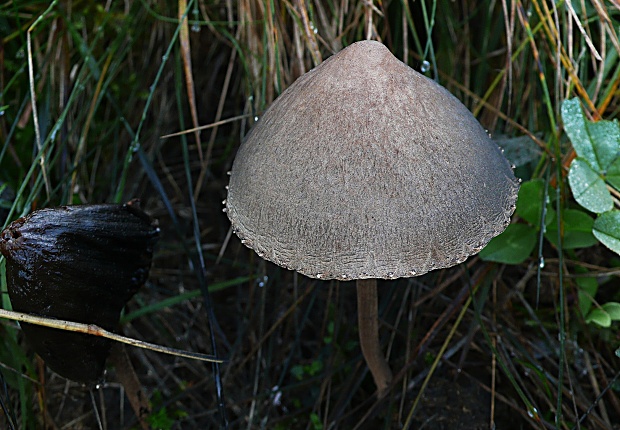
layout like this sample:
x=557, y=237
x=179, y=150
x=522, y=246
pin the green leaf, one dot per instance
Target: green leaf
x=577, y=230
x=586, y=293
x=298, y=372
x=317, y=424
x=530, y=201
x=596, y=142
x=607, y=230
x=597, y=145
x=513, y=246
x=600, y=317
x=613, y=174
x=576, y=129
x=613, y=309
x=588, y=187
x=605, y=138
x=604, y=315
x=519, y=150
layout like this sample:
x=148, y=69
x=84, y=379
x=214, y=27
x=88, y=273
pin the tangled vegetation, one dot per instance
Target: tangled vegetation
x=93, y=99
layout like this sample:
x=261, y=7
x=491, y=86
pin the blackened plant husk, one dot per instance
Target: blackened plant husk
x=81, y=264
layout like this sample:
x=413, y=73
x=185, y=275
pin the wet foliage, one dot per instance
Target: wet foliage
x=92, y=98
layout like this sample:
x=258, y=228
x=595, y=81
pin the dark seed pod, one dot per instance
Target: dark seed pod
x=77, y=263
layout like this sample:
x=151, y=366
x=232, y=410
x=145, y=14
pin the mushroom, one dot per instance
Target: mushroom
x=364, y=169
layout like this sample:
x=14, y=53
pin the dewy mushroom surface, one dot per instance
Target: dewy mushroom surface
x=364, y=168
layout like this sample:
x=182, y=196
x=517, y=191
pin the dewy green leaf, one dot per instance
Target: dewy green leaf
x=577, y=131
x=588, y=187
x=613, y=173
x=607, y=230
x=597, y=142
x=605, y=138
x=513, y=246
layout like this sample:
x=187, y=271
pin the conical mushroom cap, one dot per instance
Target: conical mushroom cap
x=364, y=168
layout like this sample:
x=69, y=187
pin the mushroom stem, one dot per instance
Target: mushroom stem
x=368, y=324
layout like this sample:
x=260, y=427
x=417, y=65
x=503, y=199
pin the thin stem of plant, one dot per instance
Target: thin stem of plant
x=368, y=326
x=205, y=127
x=126, y=375
x=94, y=330
x=33, y=100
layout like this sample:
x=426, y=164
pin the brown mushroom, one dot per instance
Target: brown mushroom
x=364, y=169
